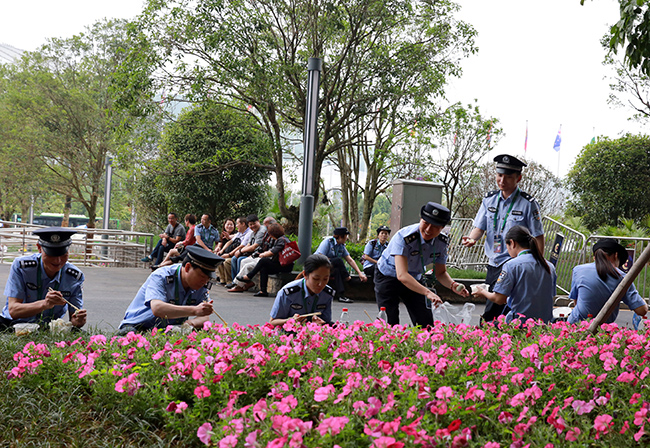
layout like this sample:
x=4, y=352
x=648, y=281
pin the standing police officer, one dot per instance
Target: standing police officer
x=373, y=250
x=40, y=286
x=500, y=210
x=401, y=267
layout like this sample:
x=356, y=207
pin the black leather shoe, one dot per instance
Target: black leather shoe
x=230, y=285
x=345, y=300
x=261, y=294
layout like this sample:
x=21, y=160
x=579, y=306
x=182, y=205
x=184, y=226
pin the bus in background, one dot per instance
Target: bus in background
x=55, y=219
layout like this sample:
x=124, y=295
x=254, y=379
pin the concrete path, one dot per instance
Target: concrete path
x=109, y=291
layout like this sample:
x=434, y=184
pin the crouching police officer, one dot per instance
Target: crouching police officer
x=401, y=267
x=173, y=293
x=41, y=286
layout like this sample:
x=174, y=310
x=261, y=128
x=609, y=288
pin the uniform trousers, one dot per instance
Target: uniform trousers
x=370, y=271
x=389, y=291
x=492, y=310
x=339, y=275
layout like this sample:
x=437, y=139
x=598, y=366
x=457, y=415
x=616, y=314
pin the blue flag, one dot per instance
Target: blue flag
x=558, y=140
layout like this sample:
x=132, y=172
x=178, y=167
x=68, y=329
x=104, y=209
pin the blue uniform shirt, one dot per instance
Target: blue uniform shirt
x=23, y=284
x=163, y=284
x=530, y=289
x=331, y=249
x=373, y=249
x=209, y=236
x=524, y=212
x=591, y=293
x=409, y=242
x=294, y=298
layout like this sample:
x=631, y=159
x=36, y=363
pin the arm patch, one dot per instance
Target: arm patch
x=73, y=272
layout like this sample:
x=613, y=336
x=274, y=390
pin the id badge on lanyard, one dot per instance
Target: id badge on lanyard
x=498, y=244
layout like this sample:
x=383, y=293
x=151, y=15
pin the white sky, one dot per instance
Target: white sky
x=538, y=61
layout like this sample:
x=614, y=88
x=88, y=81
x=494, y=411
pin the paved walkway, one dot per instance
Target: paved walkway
x=109, y=291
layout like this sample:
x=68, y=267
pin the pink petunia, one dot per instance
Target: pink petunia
x=444, y=392
x=204, y=433
x=572, y=434
x=332, y=425
x=228, y=442
x=202, y=392
x=492, y=445
x=603, y=422
x=386, y=442
x=323, y=393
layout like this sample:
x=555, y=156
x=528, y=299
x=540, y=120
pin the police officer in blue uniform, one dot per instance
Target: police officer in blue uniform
x=373, y=250
x=40, y=286
x=333, y=247
x=499, y=212
x=307, y=295
x=401, y=267
x=173, y=293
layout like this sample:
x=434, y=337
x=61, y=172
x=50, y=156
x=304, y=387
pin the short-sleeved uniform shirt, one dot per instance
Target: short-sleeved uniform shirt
x=408, y=241
x=331, y=249
x=530, y=289
x=294, y=298
x=175, y=232
x=163, y=284
x=209, y=236
x=373, y=249
x=591, y=293
x=518, y=209
x=28, y=282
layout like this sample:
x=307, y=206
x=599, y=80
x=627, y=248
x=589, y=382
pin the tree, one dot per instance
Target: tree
x=609, y=181
x=382, y=61
x=630, y=88
x=212, y=160
x=62, y=112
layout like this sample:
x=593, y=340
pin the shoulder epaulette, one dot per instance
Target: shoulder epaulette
x=73, y=272
x=527, y=196
x=170, y=279
x=292, y=289
x=444, y=238
x=412, y=237
x=328, y=289
x=491, y=193
x=28, y=264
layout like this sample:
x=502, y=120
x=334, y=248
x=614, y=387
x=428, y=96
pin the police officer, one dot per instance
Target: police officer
x=501, y=210
x=41, y=286
x=401, y=267
x=307, y=295
x=373, y=250
x=173, y=293
x=333, y=247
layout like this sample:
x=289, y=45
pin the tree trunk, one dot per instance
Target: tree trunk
x=67, y=206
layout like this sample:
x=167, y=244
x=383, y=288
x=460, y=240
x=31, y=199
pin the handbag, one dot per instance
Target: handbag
x=289, y=254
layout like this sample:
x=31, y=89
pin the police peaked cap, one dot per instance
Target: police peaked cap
x=610, y=246
x=383, y=229
x=55, y=241
x=435, y=214
x=203, y=259
x=340, y=231
x=507, y=164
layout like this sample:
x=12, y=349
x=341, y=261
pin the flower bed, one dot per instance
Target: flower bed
x=366, y=384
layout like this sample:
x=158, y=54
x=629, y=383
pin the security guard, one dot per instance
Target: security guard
x=373, y=250
x=333, y=247
x=307, y=295
x=400, y=270
x=40, y=286
x=501, y=210
x=173, y=293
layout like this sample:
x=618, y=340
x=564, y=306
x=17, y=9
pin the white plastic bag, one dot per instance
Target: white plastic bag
x=452, y=314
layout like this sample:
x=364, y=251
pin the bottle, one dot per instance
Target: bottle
x=382, y=314
x=345, y=317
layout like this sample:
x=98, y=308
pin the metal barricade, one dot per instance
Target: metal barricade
x=459, y=256
x=634, y=247
x=90, y=247
x=572, y=250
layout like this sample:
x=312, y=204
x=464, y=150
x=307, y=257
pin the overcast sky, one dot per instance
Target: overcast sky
x=539, y=61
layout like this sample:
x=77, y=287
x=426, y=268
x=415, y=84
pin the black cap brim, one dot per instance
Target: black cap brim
x=55, y=251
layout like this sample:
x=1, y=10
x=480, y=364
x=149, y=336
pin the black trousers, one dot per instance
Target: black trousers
x=266, y=267
x=492, y=310
x=340, y=275
x=370, y=271
x=389, y=291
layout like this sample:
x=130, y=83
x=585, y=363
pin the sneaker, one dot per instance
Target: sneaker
x=146, y=259
x=345, y=300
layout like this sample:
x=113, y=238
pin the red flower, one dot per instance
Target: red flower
x=454, y=426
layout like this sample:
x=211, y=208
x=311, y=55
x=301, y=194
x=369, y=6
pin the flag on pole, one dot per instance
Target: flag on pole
x=558, y=140
x=526, y=140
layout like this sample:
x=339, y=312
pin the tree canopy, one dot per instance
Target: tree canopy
x=609, y=181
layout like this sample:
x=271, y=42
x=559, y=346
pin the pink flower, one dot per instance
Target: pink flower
x=323, y=393
x=444, y=392
x=202, y=392
x=603, y=422
x=386, y=442
x=581, y=407
x=332, y=425
x=228, y=442
x=251, y=439
x=492, y=445
x=572, y=434
x=204, y=433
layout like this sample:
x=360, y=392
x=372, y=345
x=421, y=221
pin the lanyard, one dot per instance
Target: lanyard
x=523, y=252
x=496, y=218
x=304, y=300
x=422, y=258
x=176, y=282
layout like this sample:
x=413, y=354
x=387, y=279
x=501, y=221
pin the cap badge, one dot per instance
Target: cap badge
x=434, y=212
x=505, y=159
x=55, y=238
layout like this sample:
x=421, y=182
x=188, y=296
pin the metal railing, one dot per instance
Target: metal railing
x=572, y=250
x=90, y=247
x=459, y=256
